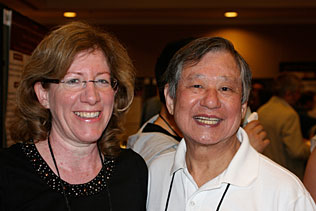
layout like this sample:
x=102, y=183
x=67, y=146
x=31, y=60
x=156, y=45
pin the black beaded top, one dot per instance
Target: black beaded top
x=95, y=186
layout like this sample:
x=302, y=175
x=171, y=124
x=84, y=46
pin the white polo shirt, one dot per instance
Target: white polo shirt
x=256, y=183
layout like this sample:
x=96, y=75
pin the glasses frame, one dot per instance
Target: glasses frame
x=114, y=82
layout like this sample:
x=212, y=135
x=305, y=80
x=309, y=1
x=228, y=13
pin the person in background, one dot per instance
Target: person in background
x=214, y=166
x=307, y=113
x=255, y=96
x=160, y=134
x=259, y=95
x=150, y=108
x=282, y=123
x=74, y=92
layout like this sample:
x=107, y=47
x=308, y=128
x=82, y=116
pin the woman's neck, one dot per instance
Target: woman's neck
x=76, y=165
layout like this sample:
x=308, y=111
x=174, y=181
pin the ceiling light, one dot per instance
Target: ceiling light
x=70, y=14
x=231, y=14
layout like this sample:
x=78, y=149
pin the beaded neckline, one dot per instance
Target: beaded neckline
x=95, y=186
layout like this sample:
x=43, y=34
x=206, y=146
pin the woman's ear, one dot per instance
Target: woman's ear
x=42, y=94
x=169, y=100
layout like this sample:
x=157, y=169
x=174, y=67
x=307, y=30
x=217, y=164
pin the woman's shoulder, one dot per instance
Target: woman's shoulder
x=129, y=162
x=12, y=159
x=11, y=153
x=129, y=177
x=131, y=157
x=129, y=166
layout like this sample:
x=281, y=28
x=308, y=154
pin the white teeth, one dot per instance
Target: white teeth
x=206, y=120
x=87, y=114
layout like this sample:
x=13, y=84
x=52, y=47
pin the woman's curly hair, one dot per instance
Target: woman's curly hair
x=50, y=60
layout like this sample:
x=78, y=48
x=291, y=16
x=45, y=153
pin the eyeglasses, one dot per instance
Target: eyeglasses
x=75, y=84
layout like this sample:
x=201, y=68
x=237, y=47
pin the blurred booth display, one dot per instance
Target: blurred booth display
x=305, y=70
x=6, y=15
x=19, y=37
x=17, y=61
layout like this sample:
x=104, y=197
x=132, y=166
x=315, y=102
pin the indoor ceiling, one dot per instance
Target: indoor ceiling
x=50, y=12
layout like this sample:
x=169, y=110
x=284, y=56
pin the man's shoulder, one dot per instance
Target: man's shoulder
x=278, y=177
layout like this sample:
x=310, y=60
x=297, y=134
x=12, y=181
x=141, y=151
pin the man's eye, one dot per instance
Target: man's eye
x=197, y=86
x=225, y=89
x=72, y=81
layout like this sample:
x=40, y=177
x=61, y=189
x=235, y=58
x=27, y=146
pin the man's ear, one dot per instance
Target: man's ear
x=42, y=94
x=169, y=100
x=243, y=109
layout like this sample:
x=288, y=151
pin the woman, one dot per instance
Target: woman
x=74, y=91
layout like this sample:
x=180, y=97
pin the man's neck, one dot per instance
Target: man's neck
x=207, y=162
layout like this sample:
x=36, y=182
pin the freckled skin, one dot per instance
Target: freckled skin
x=64, y=103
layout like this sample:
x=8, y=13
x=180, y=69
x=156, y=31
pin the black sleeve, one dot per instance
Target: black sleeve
x=2, y=188
x=5, y=161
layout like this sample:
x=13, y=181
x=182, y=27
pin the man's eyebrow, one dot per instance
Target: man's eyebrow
x=195, y=76
x=229, y=78
x=202, y=76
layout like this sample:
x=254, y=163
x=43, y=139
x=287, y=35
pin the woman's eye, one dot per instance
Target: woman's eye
x=103, y=81
x=72, y=81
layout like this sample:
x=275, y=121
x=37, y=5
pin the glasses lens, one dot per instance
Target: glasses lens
x=73, y=84
x=102, y=83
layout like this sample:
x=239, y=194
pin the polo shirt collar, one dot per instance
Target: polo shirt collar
x=242, y=170
x=179, y=158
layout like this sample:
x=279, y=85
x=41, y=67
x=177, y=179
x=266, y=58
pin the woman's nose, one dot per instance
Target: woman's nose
x=90, y=94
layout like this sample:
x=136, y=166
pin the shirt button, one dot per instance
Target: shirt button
x=192, y=203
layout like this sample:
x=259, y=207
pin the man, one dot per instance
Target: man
x=161, y=134
x=282, y=124
x=214, y=166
